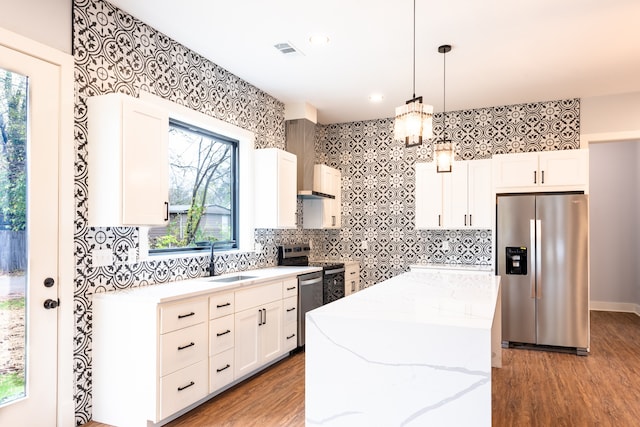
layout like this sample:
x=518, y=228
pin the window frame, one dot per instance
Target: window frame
x=244, y=215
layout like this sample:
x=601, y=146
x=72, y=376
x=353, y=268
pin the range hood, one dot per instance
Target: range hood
x=300, y=136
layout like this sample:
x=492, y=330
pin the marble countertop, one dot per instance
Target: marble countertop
x=439, y=297
x=414, y=350
x=171, y=291
x=458, y=267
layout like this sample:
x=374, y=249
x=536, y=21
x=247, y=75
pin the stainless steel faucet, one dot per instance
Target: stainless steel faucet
x=217, y=244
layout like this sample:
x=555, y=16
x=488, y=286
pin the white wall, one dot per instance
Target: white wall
x=613, y=113
x=614, y=231
x=45, y=21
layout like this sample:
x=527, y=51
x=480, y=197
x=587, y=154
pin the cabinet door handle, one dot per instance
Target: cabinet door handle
x=535, y=176
x=265, y=316
x=260, y=323
x=222, y=369
x=291, y=336
x=542, y=177
x=353, y=286
x=186, y=386
x=465, y=220
x=191, y=344
x=226, y=304
x=290, y=309
x=470, y=221
x=439, y=221
x=219, y=334
x=291, y=288
x=166, y=211
x=182, y=316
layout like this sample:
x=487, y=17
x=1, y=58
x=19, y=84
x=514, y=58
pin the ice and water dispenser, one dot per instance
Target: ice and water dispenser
x=516, y=260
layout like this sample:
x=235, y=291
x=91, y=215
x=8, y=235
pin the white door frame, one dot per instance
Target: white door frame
x=65, y=406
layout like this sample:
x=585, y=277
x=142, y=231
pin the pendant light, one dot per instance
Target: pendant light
x=414, y=120
x=443, y=150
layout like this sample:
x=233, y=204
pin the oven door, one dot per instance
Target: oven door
x=333, y=285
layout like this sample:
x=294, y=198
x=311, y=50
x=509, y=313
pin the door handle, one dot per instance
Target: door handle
x=539, y=258
x=532, y=237
x=50, y=303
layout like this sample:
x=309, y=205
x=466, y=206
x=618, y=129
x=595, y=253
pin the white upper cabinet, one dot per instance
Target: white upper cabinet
x=128, y=162
x=460, y=199
x=564, y=170
x=275, y=188
x=324, y=213
x=428, y=196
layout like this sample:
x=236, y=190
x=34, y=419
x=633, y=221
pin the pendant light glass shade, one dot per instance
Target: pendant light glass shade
x=443, y=154
x=414, y=122
x=443, y=150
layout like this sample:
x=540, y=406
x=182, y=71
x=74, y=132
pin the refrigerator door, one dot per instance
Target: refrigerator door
x=562, y=285
x=515, y=217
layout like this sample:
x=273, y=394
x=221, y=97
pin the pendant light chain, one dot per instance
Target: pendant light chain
x=414, y=48
x=444, y=95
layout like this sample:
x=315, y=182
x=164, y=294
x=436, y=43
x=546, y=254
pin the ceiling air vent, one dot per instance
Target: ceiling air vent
x=287, y=49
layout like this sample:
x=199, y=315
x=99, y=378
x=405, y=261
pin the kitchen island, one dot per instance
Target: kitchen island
x=414, y=350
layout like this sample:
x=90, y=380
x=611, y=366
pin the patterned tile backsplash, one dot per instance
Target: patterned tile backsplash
x=115, y=52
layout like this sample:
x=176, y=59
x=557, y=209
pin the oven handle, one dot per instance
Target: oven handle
x=310, y=281
x=336, y=271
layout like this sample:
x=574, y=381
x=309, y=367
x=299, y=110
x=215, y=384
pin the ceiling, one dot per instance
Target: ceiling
x=504, y=52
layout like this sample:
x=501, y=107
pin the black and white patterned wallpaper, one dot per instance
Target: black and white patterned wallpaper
x=115, y=52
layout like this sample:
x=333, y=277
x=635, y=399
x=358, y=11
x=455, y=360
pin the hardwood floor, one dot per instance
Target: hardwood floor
x=533, y=388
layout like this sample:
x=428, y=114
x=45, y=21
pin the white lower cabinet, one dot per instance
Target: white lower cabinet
x=259, y=337
x=290, y=336
x=152, y=360
x=351, y=278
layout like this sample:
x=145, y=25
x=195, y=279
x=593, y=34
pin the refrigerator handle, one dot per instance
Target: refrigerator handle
x=539, y=258
x=532, y=274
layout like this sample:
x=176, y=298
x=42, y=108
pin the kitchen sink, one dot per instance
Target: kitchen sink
x=232, y=278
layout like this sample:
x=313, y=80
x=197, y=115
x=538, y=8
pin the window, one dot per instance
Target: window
x=203, y=191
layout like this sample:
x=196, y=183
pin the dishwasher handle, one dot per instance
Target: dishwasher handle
x=310, y=281
x=336, y=271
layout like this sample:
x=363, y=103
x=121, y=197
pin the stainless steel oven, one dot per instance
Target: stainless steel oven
x=314, y=289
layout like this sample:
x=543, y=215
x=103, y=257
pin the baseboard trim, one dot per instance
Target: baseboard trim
x=615, y=306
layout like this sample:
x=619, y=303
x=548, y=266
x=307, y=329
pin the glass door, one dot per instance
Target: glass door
x=29, y=134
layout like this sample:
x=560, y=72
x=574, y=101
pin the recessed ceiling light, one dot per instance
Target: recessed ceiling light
x=376, y=97
x=319, y=39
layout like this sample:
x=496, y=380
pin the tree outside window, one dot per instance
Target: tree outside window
x=202, y=194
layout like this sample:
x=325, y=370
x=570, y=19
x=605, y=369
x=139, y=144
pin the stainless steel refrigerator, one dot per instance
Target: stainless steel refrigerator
x=543, y=260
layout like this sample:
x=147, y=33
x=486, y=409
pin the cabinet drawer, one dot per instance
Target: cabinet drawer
x=290, y=288
x=221, y=305
x=182, y=348
x=290, y=336
x=182, y=314
x=221, y=334
x=220, y=370
x=182, y=388
x=290, y=309
x=253, y=297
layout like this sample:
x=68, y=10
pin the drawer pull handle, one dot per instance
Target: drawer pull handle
x=182, y=316
x=292, y=288
x=191, y=344
x=226, y=304
x=186, y=386
x=222, y=369
x=219, y=334
x=291, y=336
x=290, y=309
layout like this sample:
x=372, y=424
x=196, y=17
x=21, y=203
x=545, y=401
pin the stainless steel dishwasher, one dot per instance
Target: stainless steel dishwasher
x=309, y=297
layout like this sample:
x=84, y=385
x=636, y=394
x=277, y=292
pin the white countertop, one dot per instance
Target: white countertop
x=459, y=267
x=171, y=291
x=439, y=297
x=414, y=350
